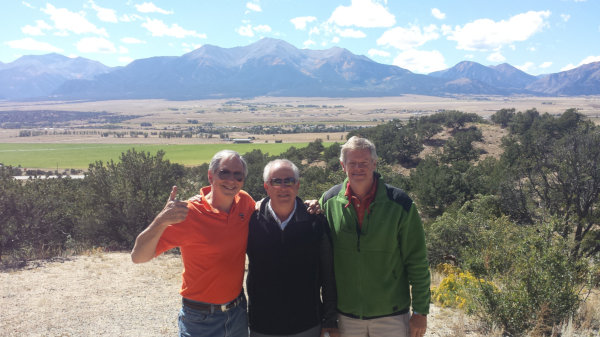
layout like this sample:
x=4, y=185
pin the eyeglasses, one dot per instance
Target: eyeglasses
x=226, y=175
x=361, y=165
x=286, y=181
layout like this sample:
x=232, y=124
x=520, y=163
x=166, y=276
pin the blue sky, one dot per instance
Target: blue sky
x=537, y=37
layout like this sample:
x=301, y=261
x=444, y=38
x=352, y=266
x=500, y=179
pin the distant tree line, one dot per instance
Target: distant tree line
x=202, y=131
x=17, y=119
x=196, y=131
x=525, y=225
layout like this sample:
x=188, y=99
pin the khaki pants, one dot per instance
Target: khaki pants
x=396, y=326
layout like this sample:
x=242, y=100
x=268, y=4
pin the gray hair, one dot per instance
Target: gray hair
x=358, y=143
x=282, y=162
x=215, y=162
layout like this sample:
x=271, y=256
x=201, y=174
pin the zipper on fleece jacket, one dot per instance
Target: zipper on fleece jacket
x=358, y=231
x=358, y=238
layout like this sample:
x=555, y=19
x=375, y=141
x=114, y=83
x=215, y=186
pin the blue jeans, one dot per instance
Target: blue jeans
x=199, y=323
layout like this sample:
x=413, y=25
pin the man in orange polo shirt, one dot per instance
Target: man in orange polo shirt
x=211, y=230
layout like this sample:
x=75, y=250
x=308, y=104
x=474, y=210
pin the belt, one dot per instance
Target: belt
x=401, y=312
x=212, y=307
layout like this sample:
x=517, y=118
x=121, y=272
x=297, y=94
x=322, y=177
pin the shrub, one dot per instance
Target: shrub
x=536, y=282
x=37, y=217
x=457, y=288
x=120, y=199
x=540, y=284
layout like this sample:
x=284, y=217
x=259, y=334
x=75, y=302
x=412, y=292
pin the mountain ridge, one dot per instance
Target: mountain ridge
x=272, y=67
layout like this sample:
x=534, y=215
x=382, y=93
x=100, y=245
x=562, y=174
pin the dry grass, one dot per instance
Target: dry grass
x=276, y=109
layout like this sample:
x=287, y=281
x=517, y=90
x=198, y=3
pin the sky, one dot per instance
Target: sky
x=536, y=36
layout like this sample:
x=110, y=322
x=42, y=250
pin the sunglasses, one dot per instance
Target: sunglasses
x=227, y=175
x=286, y=181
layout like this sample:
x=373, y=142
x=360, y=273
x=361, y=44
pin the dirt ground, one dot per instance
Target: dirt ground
x=105, y=294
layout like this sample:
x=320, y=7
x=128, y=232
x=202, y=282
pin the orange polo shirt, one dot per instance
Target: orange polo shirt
x=360, y=207
x=213, y=248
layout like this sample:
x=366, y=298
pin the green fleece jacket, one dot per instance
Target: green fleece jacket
x=376, y=265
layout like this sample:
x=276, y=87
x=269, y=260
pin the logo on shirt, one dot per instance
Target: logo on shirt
x=242, y=216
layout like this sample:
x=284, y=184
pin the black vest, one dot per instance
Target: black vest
x=284, y=273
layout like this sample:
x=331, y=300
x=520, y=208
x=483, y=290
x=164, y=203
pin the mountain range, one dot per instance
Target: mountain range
x=272, y=67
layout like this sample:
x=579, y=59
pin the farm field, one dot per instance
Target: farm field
x=79, y=156
x=56, y=135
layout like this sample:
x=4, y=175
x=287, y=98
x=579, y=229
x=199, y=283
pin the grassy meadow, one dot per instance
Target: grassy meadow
x=79, y=156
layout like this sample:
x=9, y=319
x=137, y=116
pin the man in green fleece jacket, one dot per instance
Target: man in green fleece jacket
x=380, y=257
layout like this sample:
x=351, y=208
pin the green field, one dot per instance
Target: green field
x=79, y=156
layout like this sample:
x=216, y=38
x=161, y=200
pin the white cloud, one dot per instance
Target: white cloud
x=446, y=29
x=364, y=14
x=104, y=14
x=124, y=60
x=190, y=46
x=408, y=38
x=438, y=14
x=159, y=28
x=565, y=17
x=249, y=30
x=348, y=32
x=38, y=29
x=253, y=7
x=586, y=60
x=149, y=7
x=496, y=57
x=377, y=52
x=31, y=44
x=335, y=39
x=545, y=65
x=123, y=50
x=245, y=31
x=589, y=59
x=420, y=61
x=130, y=17
x=486, y=34
x=27, y=4
x=301, y=21
x=66, y=21
x=525, y=67
x=96, y=45
x=262, y=28
x=308, y=43
x=132, y=40
x=315, y=31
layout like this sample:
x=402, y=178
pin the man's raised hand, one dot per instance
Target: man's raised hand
x=175, y=211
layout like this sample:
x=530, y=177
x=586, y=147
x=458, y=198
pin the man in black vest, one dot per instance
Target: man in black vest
x=290, y=263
